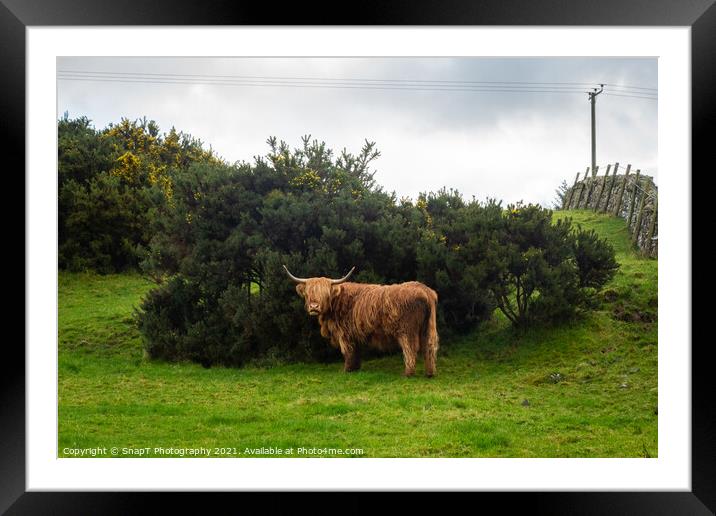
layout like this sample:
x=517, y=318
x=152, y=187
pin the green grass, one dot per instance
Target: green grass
x=590, y=386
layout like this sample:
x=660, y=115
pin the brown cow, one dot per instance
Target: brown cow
x=380, y=316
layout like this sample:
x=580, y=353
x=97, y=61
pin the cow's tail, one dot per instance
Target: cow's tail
x=431, y=340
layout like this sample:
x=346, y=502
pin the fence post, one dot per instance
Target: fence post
x=601, y=190
x=581, y=190
x=571, y=192
x=652, y=225
x=592, y=180
x=640, y=216
x=611, y=187
x=617, y=207
x=633, y=198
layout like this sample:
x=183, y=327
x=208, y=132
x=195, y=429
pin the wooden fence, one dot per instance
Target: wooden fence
x=632, y=196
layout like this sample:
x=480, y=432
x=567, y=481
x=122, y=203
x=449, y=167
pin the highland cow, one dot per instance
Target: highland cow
x=352, y=315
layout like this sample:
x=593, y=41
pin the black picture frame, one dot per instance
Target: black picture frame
x=16, y=15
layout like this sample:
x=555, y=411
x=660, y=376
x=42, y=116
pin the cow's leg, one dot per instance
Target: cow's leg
x=409, y=345
x=430, y=354
x=351, y=359
x=429, y=342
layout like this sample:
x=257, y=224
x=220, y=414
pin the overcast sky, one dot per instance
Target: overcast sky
x=511, y=146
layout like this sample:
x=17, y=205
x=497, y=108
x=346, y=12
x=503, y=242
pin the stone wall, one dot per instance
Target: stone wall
x=634, y=199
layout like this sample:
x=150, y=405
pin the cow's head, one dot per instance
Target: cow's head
x=318, y=292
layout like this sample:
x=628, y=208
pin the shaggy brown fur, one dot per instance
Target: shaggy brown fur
x=380, y=316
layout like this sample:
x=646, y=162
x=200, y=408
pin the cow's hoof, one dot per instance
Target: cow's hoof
x=407, y=374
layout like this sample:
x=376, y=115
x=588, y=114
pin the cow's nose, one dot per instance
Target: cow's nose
x=313, y=306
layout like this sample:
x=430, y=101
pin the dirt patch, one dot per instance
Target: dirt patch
x=628, y=313
x=610, y=295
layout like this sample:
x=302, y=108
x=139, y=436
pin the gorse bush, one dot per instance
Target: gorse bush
x=595, y=259
x=532, y=272
x=231, y=228
x=214, y=237
x=452, y=256
x=110, y=182
x=541, y=271
x=102, y=224
x=224, y=297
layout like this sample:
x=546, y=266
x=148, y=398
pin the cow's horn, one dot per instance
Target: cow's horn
x=294, y=278
x=344, y=278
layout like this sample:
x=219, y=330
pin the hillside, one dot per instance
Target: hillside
x=586, y=389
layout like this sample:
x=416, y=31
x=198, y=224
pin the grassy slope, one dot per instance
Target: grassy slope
x=602, y=404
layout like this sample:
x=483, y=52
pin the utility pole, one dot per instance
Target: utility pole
x=592, y=98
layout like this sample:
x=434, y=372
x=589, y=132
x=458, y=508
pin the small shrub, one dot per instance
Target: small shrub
x=532, y=275
x=543, y=272
x=595, y=259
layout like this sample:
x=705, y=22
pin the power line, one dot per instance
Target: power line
x=475, y=89
x=637, y=92
x=345, y=82
x=517, y=84
x=631, y=92
x=632, y=96
x=327, y=79
x=616, y=90
x=630, y=87
x=167, y=79
x=353, y=83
